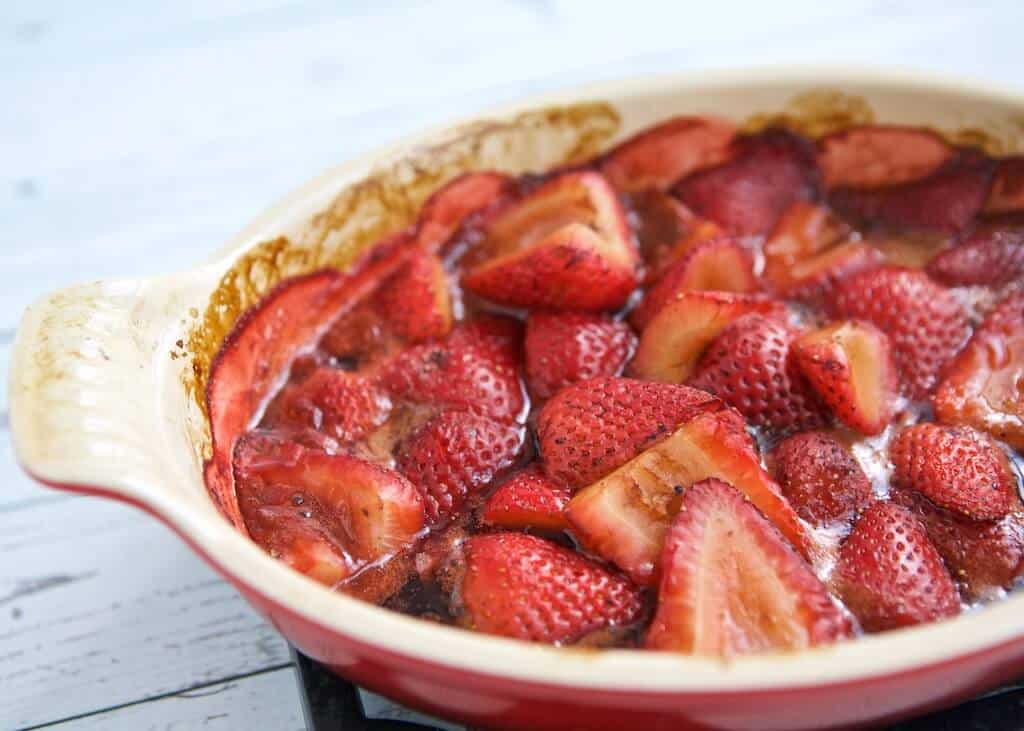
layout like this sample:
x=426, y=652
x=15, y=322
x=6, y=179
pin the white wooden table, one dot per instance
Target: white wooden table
x=135, y=139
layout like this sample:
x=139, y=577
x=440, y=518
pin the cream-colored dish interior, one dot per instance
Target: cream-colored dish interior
x=100, y=375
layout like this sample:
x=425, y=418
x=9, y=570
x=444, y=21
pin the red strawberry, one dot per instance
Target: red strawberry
x=878, y=154
x=957, y=468
x=344, y=406
x=454, y=456
x=521, y=586
x=731, y=585
x=623, y=516
x=327, y=516
x=665, y=153
x=820, y=478
x=588, y=429
x=748, y=193
x=925, y=323
x=661, y=223
x=566, y=245
x=990, y=256
x=677, y=336
x=1007, y=192
x=476, y=367
x=890, y=575
x=566, y=347
x=850, y=366
x=982, y=387
x=415, y=301
x=360, y=338
x=528, y=499
x=444, y=211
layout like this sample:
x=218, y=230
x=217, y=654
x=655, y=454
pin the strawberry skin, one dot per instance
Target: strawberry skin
x=890, y=575
x=588, y=429
x=566, y=347
x=528, y=499
x=925, y=323
x=524, y=587
x=957, y=468
x=731, y=585
x=415, y=301
x=879, y=154
x=990, y=256
x=820, y=478
x=445, y=210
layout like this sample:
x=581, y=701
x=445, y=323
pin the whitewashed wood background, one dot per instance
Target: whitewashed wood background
x=135, y=137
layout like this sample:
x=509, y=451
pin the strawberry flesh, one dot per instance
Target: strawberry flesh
x=1006, y=196
x=444, y=211
x=876, y=155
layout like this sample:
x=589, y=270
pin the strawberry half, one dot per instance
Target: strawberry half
x=890, y=575
x=957, y=468
x=444, y=211
x=982, y=387
x=748, y=193
x=665, y=229
x=623, y=516
x=521, y=586
x=1007, y=192
x=667, y=152
x=677, y=336
x=820, y=478
x=454, y=456
x=749, y=367
x=415, y=302
x=879, y=154
x=925, y=322
x=562, y=348
x=528, y=499
x=588, y=429
x=731, y=585
x=850, y=366
x=566, y=245
x=991, y=256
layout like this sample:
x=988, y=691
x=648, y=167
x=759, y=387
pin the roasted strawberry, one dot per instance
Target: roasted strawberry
x=590, y=428
x=566, y=347
x=476, y=368
x=991, y=256
x=820, y=478
x=749, y=367
x=1006, y=195
x=415, y=302
x=565, y=245
x=327, y=516
x=679, y=333
x=623, y=516
x=731, y=585
x=450, y=205
x=748, y=193
x=665, y=229
x=454, y=456
x=661, y=155
x=890, y=575
x=850, y=366
x=982, y=387
x=925, y=323
x=528, y=499
x=718, y=264
x=957, y=468
x=878, y=154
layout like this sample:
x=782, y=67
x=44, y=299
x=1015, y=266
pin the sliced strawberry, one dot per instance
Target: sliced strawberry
x=982, y=387
x=415, y=302
x=476, y=368
x=957, y=468
x=947, y=200
x=667, y=152
x=878, y=154
x=677, y=336
x=1007, y=192
x=925, y=323
x=623, y=516
x=588, y=429
x=718, y=264
x=360, y=338
x=749, y=367
x=521, y=586
x=890, y=575
x=444, y=211
x=528, y=499
x=327, y=516
x=990, y=256
x=820, y=478
x=731, y=585
x=748, y=193
x=660, y=223
x=850, y=365
x=566, y=347
x=454, y=456
x=565, y=245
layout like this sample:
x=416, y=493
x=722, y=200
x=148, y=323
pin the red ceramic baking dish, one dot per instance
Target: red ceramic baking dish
x=108, y=398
